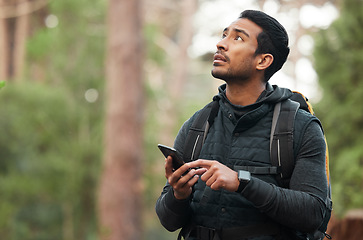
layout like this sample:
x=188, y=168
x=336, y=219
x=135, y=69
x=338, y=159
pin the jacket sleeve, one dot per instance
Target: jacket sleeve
x=173, y=213
x=302, y=206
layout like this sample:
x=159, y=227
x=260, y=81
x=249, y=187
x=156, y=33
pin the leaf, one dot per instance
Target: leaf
x=2, y=84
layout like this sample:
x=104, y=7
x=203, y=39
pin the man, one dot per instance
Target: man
x=251, y=50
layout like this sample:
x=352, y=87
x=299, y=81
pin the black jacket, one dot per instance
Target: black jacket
x=240, y=137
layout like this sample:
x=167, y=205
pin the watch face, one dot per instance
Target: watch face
x=244, y=175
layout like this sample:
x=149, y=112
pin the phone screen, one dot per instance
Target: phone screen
x=169, y=151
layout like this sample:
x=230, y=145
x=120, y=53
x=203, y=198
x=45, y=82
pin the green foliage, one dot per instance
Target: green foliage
x=2, y=84
x=72, y=53
x=40, y=44
x=51, y=139
x=49, y=163
x=338, y=57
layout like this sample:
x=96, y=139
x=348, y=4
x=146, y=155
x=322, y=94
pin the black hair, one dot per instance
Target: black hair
x=273, y=39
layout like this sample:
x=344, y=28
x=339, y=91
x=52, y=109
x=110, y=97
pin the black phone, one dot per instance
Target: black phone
x=169, y=151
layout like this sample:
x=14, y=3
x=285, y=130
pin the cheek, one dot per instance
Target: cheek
x=244, y=67
x=242, y=56
x=242, y=63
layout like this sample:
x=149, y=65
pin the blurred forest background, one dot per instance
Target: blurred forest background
x=88, y=89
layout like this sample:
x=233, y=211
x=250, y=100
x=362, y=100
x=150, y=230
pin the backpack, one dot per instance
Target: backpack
x=281, y=145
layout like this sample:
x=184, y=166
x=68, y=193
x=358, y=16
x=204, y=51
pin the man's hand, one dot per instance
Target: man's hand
x=182, y=184
x=217, y=175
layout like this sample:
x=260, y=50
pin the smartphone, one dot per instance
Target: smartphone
x=169, y=151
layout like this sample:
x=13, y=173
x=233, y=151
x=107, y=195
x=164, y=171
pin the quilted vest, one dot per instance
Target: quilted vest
x=242, y=142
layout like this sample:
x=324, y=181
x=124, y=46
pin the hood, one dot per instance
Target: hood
x=274, y=94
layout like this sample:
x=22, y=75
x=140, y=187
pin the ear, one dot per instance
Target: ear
x=264, y=61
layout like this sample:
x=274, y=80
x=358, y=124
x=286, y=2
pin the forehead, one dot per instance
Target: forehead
x=251, y=28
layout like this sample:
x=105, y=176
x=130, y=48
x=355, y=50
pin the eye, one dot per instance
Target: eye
x=224, y=35
x=238, y=38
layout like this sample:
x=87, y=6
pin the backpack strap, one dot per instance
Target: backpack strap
x=199, y=129
x=281, y=139
x=197, y=134
x=281, y=149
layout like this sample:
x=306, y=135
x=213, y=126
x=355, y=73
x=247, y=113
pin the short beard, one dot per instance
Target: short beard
x=227, y=77
x=241, y=75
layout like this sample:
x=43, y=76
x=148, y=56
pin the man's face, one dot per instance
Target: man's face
x=235, y=57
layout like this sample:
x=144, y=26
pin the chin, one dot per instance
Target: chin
x=217, y=74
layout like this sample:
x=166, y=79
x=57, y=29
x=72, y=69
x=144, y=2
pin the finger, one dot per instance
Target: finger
x=193, y=180
x=207, y=175
x=182, y=170
x=201, y=163
x=190, y=178
x=184, y=191
x=209, y=181
x=216, y=185
x=200, y=171
x=180, y=182
x=212, y=171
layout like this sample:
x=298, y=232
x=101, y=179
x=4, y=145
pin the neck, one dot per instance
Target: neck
x=244, y=94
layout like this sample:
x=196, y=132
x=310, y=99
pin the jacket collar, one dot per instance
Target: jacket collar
x=245, y=117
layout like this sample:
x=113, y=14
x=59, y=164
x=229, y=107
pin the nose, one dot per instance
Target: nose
x=222, y=44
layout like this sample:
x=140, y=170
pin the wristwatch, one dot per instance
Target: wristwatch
x=244, y=178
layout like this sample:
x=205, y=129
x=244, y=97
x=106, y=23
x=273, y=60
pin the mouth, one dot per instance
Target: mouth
x=219, y=58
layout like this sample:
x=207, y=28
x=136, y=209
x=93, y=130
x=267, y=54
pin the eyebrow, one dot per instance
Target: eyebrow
x=238, y=30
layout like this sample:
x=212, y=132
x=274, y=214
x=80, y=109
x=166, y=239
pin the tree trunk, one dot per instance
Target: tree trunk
x=120, y=196
x=20, y=37
x=3, y=48
x=14, y=27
